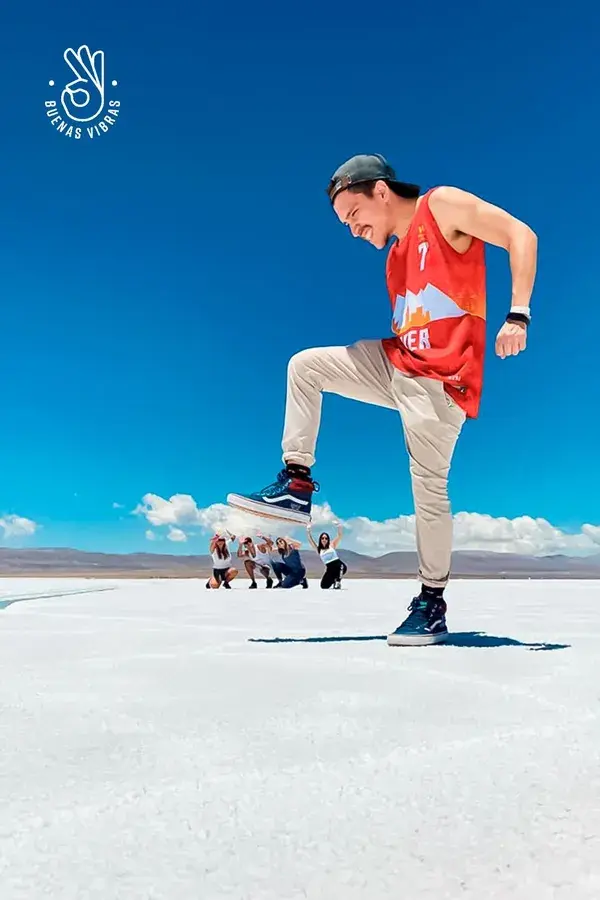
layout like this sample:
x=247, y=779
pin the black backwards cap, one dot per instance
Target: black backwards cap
x=368, y=167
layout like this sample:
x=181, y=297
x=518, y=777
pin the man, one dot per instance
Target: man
x=430, y=371
x=255, y=557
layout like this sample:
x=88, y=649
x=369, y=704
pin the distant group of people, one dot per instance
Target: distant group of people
x=280, y=559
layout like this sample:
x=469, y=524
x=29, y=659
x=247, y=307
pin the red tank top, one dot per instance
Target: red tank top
x=438, y=303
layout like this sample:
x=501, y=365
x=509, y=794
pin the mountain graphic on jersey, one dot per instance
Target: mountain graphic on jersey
x=422, y=308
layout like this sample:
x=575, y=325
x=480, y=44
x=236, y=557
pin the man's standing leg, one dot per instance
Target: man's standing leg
x=432, y=423
x=359, y=372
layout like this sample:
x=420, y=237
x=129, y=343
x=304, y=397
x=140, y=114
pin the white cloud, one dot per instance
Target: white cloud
x=17, y=526
x=176, y=534
x=472, y=531
x=150, y=535
x=531, y=537
x=118, y=506
x=181, y=510
x=592, y=532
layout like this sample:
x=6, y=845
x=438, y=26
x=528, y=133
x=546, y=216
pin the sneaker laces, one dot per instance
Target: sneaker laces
x=416, y=609
x=276, y=486
x=423, y=606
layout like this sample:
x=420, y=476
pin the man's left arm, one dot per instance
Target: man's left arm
x=458, y=211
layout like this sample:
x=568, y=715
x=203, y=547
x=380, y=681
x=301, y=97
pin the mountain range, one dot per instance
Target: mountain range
x=466, y=564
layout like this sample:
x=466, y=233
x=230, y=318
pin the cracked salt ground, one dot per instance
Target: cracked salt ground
x=162, y=741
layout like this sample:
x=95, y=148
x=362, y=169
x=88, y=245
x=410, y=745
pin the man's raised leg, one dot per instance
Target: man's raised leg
x=359, y=372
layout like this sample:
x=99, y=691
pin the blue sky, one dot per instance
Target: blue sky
x=157, y=278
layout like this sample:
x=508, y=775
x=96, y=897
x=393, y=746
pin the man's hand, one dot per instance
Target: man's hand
x=512, y=338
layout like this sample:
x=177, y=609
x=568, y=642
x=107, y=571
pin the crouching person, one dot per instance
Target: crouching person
x=223, y=571
x=255, y=558
x=289, y=568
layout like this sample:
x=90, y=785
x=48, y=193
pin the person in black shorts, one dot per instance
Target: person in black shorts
x=223, y=571
x=335, y=568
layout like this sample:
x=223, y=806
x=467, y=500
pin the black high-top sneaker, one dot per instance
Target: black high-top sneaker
x=289, y=498
x=426, y=623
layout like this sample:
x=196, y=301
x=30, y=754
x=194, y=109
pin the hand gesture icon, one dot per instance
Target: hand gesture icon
x=85, y=95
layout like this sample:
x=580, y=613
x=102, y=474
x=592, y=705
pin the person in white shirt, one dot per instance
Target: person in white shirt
x=223, y=571
x=335, y=568
x=255, y=557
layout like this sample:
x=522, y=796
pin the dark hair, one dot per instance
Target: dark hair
x=368, y=188
x=321, y=545
x=222, y=552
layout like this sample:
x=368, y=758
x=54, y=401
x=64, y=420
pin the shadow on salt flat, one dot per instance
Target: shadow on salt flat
x=458, y=639
x=22, y=598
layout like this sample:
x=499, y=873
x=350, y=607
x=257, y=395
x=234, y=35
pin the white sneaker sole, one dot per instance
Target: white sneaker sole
x=268, y=512
x=416, y=640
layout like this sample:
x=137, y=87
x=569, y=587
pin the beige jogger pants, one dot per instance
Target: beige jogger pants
x=431, y=422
